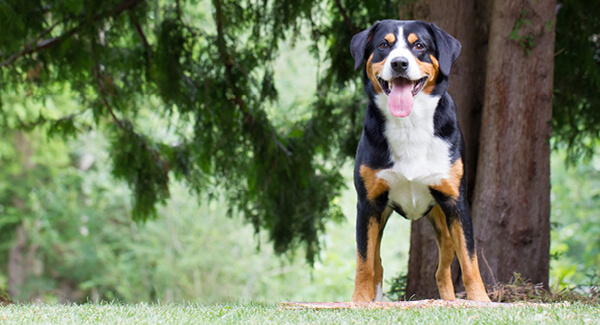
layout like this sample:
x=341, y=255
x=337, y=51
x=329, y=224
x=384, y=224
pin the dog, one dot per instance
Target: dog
x=410, y=155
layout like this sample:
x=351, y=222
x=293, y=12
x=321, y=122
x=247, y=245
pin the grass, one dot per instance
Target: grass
x=252, y=313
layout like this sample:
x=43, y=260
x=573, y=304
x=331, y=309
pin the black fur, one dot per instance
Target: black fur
x=373, y=149
x=448, y=49
x=358, y=44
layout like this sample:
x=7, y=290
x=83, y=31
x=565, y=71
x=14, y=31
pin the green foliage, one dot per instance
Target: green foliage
x=140, y=163
x=87, y=248
x=576, y=231
x=215, y=76
x=397, y=289
x=525, y=41
x=19, y=154
x=84, y=246
x=576, y=122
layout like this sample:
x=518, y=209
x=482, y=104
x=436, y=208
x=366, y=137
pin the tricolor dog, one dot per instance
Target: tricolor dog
x=410, y=155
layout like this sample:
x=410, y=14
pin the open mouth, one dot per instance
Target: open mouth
x=400, y=93
x=417, y=85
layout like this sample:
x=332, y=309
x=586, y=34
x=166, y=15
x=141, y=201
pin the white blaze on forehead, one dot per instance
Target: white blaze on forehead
x=400, y=43
x=400, y=49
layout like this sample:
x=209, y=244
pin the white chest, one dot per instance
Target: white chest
x=420, y=158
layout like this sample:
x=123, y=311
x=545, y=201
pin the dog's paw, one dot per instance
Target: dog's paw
x=479, y=297
x=362, y=297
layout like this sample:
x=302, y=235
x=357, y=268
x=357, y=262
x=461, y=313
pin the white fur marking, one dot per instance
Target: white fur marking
x=420, y=158
x=379, y=295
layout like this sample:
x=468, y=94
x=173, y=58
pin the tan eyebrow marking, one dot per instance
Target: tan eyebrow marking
x=391, y=38
x=412, y=37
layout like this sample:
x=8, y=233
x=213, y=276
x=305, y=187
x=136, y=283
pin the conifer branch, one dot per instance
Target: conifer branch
x=228, y=62
x=38, y=46
x=140, y=31
x=346, y=18
x=102, y=93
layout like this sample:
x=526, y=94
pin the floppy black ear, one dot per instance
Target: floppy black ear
x=358, y=44
x=448, y=49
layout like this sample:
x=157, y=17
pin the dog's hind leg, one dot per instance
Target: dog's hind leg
x=468, y=261
x=451, y=198
x=443, y=239
x=458, y=218
x=369, y=270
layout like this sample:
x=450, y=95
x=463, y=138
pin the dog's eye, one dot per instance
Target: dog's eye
x=419, y=46
x=383, y=45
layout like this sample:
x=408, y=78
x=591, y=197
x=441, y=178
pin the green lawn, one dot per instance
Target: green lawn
x=250, y=313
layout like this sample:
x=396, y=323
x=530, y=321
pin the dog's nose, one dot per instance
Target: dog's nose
x=399, y=64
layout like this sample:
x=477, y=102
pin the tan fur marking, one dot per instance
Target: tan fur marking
x=431, y=70
x=374, y=69
x=378, y=266
x=375, y=186
x=369, y=270
x=468, y=264
x=391, y=38
x=443, y=275
x=451, y=186
x=412, y=37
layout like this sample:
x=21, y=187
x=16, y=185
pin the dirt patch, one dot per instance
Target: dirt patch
x=459, y=303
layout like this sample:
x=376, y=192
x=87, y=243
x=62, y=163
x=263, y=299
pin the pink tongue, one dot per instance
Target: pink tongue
x=400, y=100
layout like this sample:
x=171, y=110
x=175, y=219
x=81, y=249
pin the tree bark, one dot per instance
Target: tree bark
x=509, y=152
x=468, y=22
x=23, y=261
x=17, y=272
x=512, y=197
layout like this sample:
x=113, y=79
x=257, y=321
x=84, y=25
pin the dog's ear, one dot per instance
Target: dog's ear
x=448, y=49
x=359, y=42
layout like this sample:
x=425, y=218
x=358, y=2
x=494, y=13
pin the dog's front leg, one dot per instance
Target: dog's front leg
x=369, y=271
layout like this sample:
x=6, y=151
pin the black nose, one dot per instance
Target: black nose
x=399, y=64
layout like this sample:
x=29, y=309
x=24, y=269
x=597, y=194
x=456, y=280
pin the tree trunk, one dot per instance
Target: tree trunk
x=467, y=89
x=17, y=272
x=507, y=158
x=22, y=258
x=512, y=197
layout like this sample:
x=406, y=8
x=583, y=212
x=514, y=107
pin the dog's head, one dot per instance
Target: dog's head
x=405, y=59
